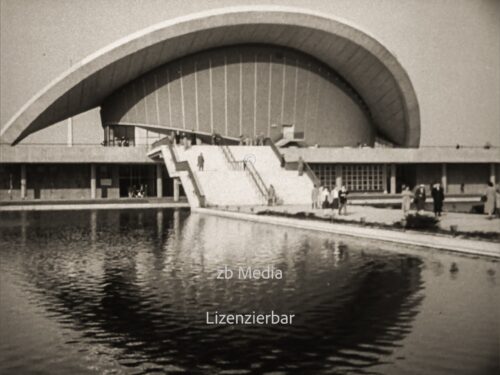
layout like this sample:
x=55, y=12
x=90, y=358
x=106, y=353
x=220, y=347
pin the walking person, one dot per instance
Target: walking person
x=437, y=198
x=201, y=162
x=420, y=198
x=343, y=200
x=406, y=197
x=489, y=204
x=314, y=197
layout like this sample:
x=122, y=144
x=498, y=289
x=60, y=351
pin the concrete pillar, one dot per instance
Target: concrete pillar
x=384, y=178
x=493, y=177
x=393, y=179
x=93, y=184
x=23, y=181
x=70, y=132
x=338, y=175
x=176, y=189
x=444, y=177
x=159, y=180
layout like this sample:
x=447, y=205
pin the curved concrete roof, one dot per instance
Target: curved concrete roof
x=368, y=66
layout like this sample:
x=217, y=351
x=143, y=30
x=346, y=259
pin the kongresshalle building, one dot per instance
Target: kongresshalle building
x=322, y=88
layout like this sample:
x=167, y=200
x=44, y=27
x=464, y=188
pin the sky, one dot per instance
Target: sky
x=450, y=49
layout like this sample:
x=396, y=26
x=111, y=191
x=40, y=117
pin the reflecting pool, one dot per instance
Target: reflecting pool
x=127, y=291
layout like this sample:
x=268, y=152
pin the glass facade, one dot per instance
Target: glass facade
x=363, y=177
x=356, y=177
x=325, y=173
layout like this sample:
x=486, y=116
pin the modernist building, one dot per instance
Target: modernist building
x=336, y=95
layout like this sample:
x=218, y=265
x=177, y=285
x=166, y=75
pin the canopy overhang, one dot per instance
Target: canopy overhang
x=365, y=63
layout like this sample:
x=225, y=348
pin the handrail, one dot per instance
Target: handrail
x=293, y=165
x=307, y=168
x=256, y=177
x=271, y=143
x=248, y=167
x=161, y=142
x=184, y=166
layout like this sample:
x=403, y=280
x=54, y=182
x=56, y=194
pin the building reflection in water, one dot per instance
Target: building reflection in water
x=141, y=282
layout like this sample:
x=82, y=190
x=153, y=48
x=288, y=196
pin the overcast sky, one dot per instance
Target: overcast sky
x=450, y=49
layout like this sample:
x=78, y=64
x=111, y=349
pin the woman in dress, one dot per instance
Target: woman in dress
x=406, y=197
x=489, y=204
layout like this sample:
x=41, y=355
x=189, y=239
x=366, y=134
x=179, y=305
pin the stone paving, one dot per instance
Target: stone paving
x=465, y=222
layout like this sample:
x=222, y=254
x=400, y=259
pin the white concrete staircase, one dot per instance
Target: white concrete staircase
x=289, y=186
x=220, y=184
x=224, y=183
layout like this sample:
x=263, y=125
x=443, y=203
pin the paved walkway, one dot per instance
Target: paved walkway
x=448, y=243
x=464, y=222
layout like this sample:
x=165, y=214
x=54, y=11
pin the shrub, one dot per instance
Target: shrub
x=421, y=222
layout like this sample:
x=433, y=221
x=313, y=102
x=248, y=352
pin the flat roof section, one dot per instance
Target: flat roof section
x=138, y=154
x=369, y=155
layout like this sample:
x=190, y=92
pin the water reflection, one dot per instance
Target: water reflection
x=140, y=282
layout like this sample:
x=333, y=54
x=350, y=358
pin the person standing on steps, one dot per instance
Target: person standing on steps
x=201, y=162
x=271, y=196
x=301, y=166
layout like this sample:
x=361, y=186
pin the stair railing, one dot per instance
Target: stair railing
x=230, y=159
x=249, y=168
x=183, y=166
x=294, y=165
x=257, y=179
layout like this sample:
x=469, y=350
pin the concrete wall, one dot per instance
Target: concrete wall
x=244, y=90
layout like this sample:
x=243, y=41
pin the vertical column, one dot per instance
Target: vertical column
x=338, y=175
x=23, y=181
x=106, y=134
x=93, y=184
x=393, y=179
x=70, y=131
x=384, y=178
x=159, y=180
x=444, y=177
x=493, y=176
x=176, y=189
